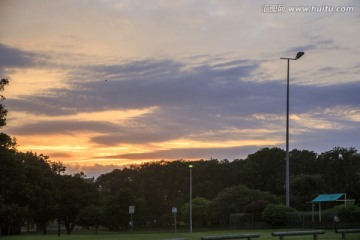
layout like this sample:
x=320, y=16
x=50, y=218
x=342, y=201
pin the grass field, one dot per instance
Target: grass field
x=104, y=235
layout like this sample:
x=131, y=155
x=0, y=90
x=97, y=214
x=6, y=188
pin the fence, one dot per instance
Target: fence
x=293, y=220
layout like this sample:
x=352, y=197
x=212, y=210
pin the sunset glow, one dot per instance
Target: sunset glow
x=105, y=84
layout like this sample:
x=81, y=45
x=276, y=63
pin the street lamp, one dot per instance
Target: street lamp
x=287, y=178
x=190, y=201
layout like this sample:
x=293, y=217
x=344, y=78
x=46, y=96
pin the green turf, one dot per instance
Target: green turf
x=104, y=235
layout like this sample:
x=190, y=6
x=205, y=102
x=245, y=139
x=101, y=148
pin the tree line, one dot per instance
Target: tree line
x=36, y=191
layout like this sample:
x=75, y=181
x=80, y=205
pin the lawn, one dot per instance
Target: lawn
x=264, y=235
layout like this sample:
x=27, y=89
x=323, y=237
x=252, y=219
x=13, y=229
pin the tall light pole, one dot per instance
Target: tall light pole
x=287, y=178
x=190, y=201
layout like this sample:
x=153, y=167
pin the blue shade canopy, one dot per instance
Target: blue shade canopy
x=327, y=197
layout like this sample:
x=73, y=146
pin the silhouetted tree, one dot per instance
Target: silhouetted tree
x=340, y=168
x=265, y=170
x=116, y=209
x=235, y=199
x=3, y=111
x=200, y=211
x=74, y=192
x=304, y=188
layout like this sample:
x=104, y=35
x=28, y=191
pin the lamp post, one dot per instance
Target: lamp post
x=287, y=178
x=190, y=201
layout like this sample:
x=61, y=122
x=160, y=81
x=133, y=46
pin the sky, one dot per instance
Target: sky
x=102, y=84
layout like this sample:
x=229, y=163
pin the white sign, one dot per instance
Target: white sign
x=131, y=209
x=174, y=210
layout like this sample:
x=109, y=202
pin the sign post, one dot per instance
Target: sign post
x=174, y=211
x=131, y=211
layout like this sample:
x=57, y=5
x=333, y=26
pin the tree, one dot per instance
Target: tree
x=265, y=170
x=13, y=210
x=6, y=142
x=74, y=192
x=257, y=206
x=3, y=111
x=116, y=209
x=12, y=218
x=254, y=209
x=162, y=184
x=276, y=214
x=90, y=216
x=209, y=177
x=200, y=211
x=303, y=162
x=340, y=170
x=38, y=181
x=23, y=178
x=235, y=199
x=304, y=188
x=57, y=167
x=348, y=213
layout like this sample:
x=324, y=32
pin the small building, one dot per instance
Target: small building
x=337, y=197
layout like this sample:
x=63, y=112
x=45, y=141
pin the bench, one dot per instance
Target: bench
x=347, y=230
x=235, y=236
x=176, y=239
x=297, y=233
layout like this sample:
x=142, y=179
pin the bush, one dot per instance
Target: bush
x=277, y=214
x=256, y=206
x=235, y=199
x=348, y=213
x=200, y=211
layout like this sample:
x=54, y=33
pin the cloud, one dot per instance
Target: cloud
x=144, y=84
x=325, y=139
x=64, y=127
x=209, y=101
x=135, y=136
x=191, y=153
x=90, y=170
x=60, y=155
x=318, y=44
x=13, y=57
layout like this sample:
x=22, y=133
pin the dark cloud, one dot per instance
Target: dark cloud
x=13, y=57
x=303, y=48
x=138, y=69
x=202, y=90
x=305, y=98
x=60, y=155
x=191, y=101
x=63, y=127
x=135, y=137
x=192, y=153
x=170, y=87
x=93, y=170
x=48, y=105
x=324, y=139
x=316, y=45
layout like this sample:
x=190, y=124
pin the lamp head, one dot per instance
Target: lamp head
x=299, y=55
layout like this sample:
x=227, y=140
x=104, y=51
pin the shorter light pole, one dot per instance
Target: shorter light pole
x=174, y=211
x=190, y=201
